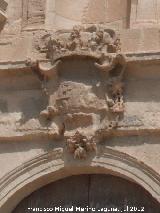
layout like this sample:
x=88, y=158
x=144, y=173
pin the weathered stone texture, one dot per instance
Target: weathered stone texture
x=79, y=93
x=33, y=13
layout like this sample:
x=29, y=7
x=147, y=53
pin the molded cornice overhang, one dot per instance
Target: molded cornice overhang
x=138, y=57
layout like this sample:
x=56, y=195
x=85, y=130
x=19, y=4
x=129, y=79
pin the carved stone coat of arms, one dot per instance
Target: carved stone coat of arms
x=83, y=80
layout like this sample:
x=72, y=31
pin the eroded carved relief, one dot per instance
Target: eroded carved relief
x=114, y=67
x=79, y=145
x=83, y=80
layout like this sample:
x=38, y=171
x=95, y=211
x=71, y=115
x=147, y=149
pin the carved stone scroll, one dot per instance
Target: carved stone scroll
x=48, y=70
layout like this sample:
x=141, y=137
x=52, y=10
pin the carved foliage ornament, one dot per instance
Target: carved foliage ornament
x=81, y=107
x=79, y=145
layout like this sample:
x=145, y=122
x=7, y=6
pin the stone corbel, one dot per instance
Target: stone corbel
x=45, y=70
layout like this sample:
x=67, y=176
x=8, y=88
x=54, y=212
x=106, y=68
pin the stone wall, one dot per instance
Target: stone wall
x=33, y=13
x=78, y=99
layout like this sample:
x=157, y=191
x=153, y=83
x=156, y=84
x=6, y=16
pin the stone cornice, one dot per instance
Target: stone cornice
x=145, y=57
x=46, y=135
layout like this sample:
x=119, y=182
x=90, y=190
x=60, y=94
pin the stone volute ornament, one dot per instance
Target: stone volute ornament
x=82, y=77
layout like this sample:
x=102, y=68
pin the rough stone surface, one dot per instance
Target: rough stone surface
x=79, y=91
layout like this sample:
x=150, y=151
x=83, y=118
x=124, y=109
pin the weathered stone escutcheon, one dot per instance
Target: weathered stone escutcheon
x=82, y=76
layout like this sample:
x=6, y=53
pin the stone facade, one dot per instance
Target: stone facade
x=79, y=93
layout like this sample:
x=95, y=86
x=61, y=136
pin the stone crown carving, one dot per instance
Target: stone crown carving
x=81, y=41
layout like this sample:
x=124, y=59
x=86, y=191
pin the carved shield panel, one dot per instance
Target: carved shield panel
x=83, y=80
